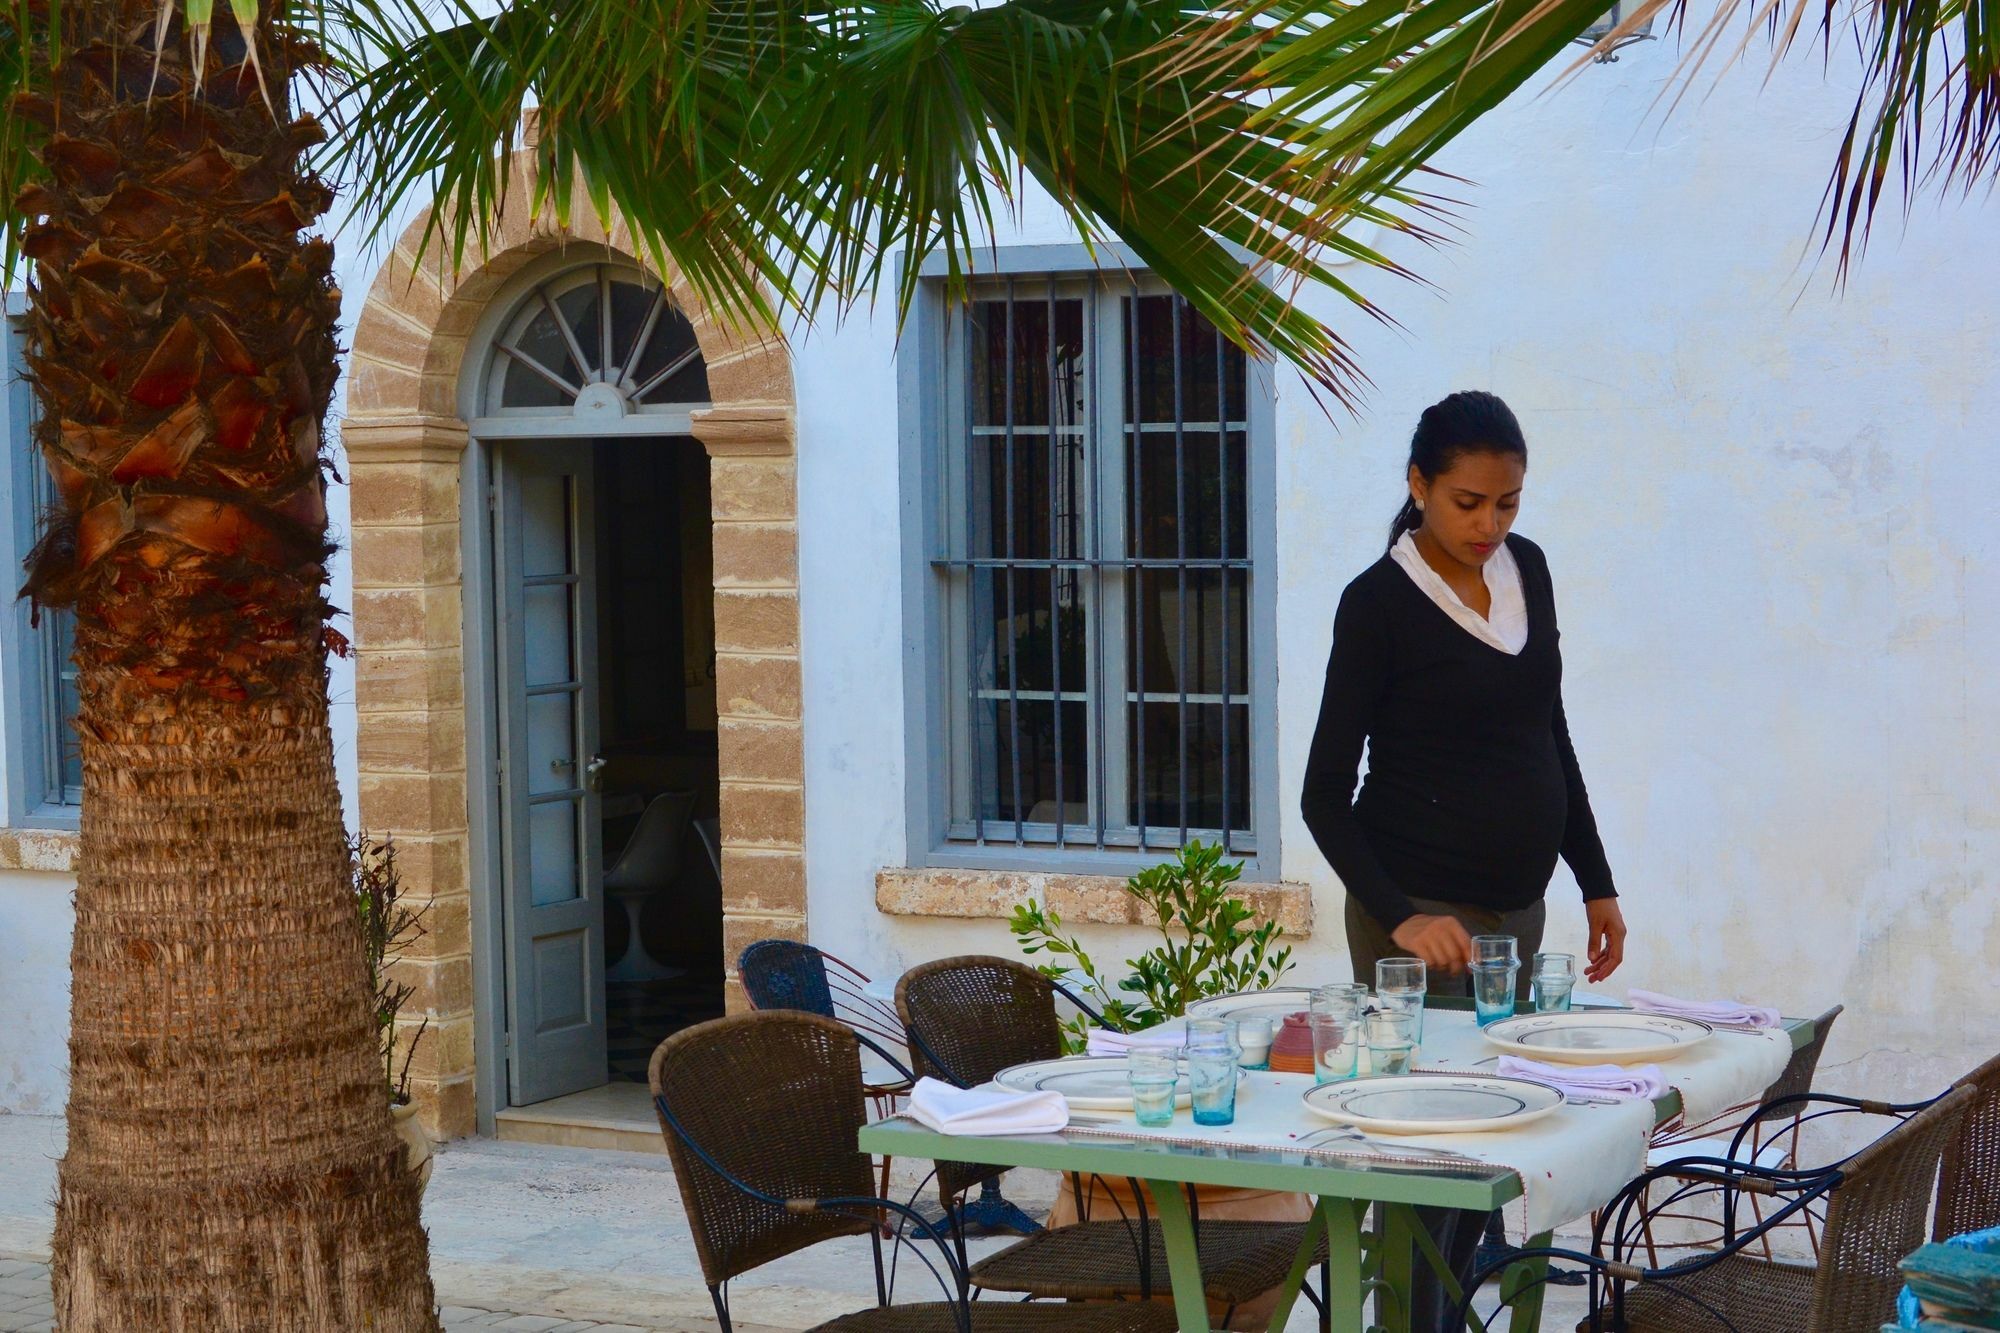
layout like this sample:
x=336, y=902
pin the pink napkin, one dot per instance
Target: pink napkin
x=1640, y=1081
x=1733, y=1013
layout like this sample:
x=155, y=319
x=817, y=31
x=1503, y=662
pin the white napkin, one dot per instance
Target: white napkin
x=986, y=1110
x=1640, y=1081
x=1104, y=1042
x=1731, y=1012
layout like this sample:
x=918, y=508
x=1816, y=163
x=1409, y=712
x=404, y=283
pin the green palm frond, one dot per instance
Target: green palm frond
x=810, y=146
x=1927, y=113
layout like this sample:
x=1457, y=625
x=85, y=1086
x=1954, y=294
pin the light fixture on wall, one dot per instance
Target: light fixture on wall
x=1597, y=32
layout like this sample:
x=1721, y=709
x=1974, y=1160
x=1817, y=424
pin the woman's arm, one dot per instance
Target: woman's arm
x=1357, y=674
x=1584, y=850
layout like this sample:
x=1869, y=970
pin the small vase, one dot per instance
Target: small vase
x=416, y=1143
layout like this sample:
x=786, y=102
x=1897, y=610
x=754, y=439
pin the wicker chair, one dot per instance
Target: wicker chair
x=1876, y=1204
x=753, y=1195
x=1773, y=1140
x=967, y=1019
x=784, y=974
x=1969, y=1176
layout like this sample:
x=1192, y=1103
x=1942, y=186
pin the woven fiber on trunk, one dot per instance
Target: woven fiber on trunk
x=231, y=1164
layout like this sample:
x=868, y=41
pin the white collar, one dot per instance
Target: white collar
x=1505, y=626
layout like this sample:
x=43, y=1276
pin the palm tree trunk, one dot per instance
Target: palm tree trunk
x=231, y=1164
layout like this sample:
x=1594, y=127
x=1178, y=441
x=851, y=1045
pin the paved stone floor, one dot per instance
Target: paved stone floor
x=534, y=1238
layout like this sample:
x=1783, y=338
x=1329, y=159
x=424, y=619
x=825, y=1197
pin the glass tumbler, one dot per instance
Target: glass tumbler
x=1554, y=979
x=1400, y=984
x=1155, y=1077
x=1336, y=1034
x=1493, y=991
x=1212, y=1072
x=1210, y=1032
x=1392, y=1044
x=1495, y=949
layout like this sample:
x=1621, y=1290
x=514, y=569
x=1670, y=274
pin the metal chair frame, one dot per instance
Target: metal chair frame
x=1622, y=1222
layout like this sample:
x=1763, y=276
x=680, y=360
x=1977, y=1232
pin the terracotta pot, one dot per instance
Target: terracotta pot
x=416, y=1143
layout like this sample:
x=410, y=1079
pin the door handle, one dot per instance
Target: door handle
x=593, y=772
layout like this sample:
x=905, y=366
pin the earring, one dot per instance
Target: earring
x=1420, y=506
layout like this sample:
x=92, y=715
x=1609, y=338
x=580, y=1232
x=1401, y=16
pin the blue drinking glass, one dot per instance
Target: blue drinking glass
x=1213, y=1074
x=1493, y=991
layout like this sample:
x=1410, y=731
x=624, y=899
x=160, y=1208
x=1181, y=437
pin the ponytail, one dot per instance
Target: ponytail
x=1469, y=421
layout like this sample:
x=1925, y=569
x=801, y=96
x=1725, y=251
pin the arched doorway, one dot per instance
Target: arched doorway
x=436, y=402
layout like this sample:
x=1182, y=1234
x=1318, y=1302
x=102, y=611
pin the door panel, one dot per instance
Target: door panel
x=544, y=587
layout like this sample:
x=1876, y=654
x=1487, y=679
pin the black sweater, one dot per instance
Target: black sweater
x=1473, y=787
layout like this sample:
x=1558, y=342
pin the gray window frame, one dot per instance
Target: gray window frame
x=928, y=407
x=30, y=728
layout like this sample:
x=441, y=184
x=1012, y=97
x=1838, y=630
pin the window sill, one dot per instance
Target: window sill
x=1097, y=899
x=52, y=850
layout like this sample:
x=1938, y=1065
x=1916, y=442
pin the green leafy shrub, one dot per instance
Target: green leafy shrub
x=1208, y=946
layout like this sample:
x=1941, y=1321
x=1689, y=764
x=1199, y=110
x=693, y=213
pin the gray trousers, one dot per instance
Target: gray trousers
x=1368, y=944
x=1456, y=1232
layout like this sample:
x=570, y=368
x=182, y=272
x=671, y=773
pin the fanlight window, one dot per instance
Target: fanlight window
x=597, y=342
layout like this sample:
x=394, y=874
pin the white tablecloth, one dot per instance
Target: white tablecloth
x=1568, y=1163
x=1728, y=1070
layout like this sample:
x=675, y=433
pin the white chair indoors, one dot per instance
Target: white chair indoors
x=649, y=865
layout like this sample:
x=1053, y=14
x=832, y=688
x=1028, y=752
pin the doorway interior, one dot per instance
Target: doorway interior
x=607, y=786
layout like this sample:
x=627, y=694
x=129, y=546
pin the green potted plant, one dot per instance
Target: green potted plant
x=389, y=926
x=1207, y=944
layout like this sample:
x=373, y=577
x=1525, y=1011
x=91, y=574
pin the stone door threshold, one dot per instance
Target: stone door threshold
x=617, y=1116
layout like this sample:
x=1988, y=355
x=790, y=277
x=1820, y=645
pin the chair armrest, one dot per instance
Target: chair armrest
x=1835, y=1104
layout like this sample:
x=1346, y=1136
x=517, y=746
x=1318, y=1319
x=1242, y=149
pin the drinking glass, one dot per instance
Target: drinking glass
x=1254, y=1036
x=1212, y=1071
x=1155, y=1077
x=1554, y=979
x=1392, y=1041
x=1493, y=991
x=1495, y=949
x=1205, y=1033
x=1400, y=984
x=1336, y=1034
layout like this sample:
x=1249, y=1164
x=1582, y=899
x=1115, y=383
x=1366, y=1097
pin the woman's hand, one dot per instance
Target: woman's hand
x=1440, y=941
x=1607, y=937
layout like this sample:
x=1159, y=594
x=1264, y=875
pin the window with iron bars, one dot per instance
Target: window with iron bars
x=1093, y=558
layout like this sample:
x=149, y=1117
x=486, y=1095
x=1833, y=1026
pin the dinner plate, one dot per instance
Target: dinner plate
x=1087, y=1082
x=1273, y=1004
x=1597, y=1036
x=1433, y=1103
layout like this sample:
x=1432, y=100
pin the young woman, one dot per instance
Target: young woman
x=1445, y=664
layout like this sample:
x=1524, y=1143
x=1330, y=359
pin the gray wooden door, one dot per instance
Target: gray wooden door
x=547, y=658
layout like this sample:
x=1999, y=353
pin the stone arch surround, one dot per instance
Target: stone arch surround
x=405, y=442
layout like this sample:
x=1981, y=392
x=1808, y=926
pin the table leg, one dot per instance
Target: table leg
x=1302, y=1265
x=1344, y=1278
x=1525, y=1278
x=1183, y=1261
x=1398, y=1264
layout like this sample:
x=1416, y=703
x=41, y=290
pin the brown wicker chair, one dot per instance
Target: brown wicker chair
x=969, y=1018
x=1969, y=1176
x=1877, y=1202
x=1773, y=1140
x=753, y=1195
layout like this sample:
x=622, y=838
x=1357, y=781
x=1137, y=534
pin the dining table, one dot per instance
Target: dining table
x=1540, y=1176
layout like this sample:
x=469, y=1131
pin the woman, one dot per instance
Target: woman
x=1445, y=663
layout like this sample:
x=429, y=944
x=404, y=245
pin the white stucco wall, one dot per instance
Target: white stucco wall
x=1764, y=504
x=35, y=922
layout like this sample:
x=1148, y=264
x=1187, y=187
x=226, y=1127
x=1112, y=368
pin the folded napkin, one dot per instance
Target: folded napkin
x=986, y=1110
x=1640, y=1081
x=1103, y=1042
x=1730, y=1012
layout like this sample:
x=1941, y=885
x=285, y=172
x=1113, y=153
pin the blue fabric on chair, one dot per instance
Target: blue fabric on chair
x=783, y=974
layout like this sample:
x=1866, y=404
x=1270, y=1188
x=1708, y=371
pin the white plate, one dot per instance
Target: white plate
x=1087, y=1082
x=1597, y=1037
x=1273, y=1004
x=1433, y=1103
